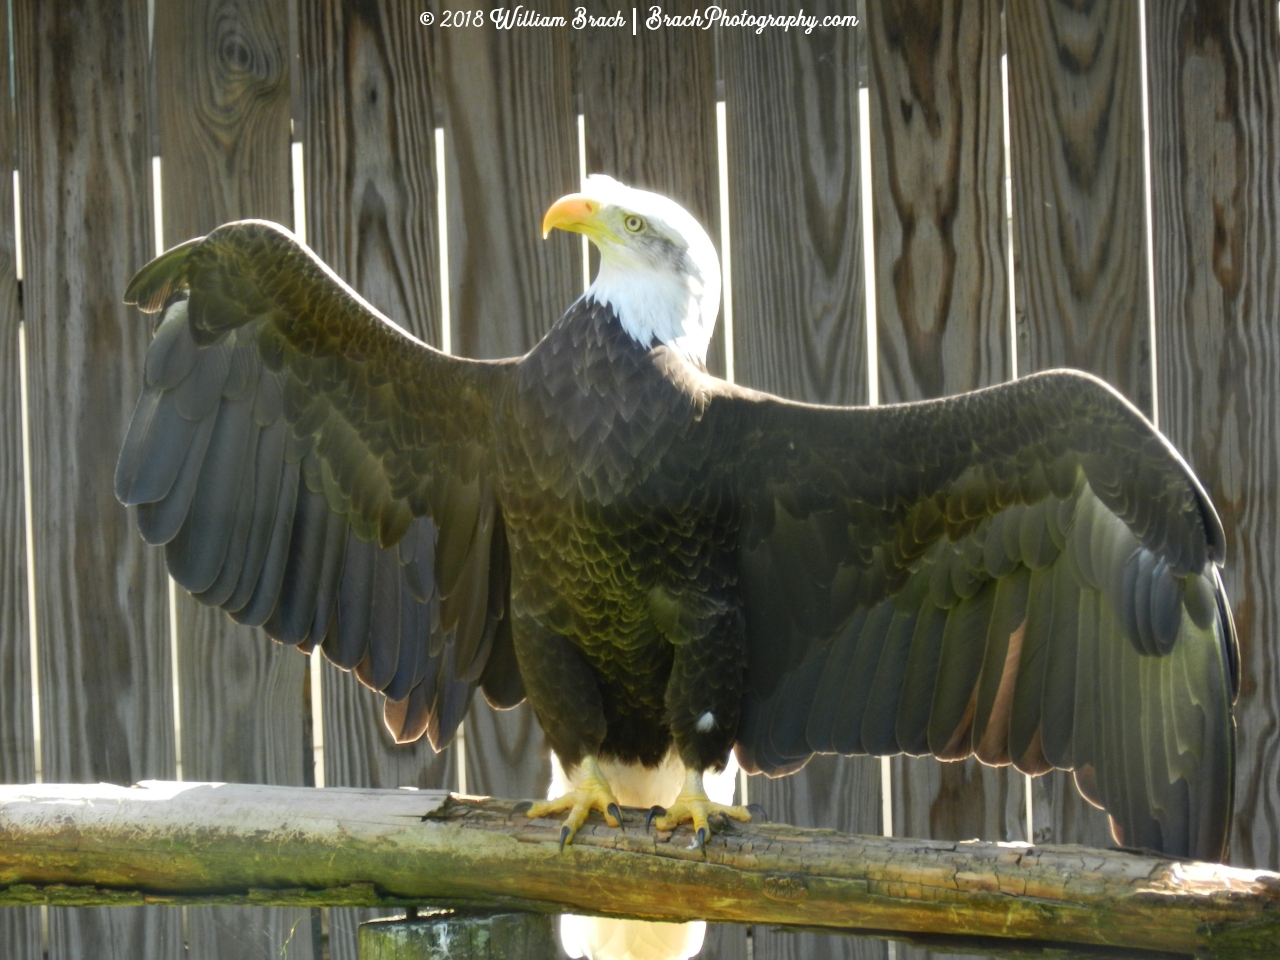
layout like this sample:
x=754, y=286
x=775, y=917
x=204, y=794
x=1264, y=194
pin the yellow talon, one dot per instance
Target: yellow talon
x=591, y=792
x=695, y=807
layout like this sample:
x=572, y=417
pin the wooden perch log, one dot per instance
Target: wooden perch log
x=190, y=843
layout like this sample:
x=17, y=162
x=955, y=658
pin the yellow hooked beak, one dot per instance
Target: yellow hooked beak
x=576, y=213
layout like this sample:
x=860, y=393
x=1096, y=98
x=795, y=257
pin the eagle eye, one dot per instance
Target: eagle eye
x=633, y=223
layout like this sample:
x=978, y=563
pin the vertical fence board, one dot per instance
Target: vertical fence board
x=368, y=129
x=511, y=131
x=512, y=135
x=369, y=135
x=791, y=101
x=794, y=197
x=83, y=134
x=1076, y=141
x=363, y=754
x=937, y=151
x=649, y=104
x=19, y=929
x=937, y=155
x=1215, y=95
x=1075, y=107
x=223, y=95
x=507, y=753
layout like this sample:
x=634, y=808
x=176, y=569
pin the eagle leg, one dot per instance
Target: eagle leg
x=695, y=807
x=590, y=792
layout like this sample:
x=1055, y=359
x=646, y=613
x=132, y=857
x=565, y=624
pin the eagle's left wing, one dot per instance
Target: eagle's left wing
x=1027, y=573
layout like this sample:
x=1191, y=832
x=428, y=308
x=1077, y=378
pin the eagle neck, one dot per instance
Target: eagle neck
x=656, y=305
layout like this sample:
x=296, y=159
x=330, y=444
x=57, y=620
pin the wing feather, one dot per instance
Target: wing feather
x=856, y=693
x=879, y=723
x=155, y=449
x=915, y=704
x=269, y=471
x=312, y=469
x=1040, y=631
x=335, y=543
x=220, y=591
x=160, y=520
x=836, y=664
x=199, y=548
x=350, y=634
x=1027, y=573
x=382, y=649
x=267, y=590
x=964, y=640
x=290, y=621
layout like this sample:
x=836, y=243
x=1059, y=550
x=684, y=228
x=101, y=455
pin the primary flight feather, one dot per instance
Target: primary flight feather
x=665, y=563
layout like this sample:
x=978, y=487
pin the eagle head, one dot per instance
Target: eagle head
x=658, y=268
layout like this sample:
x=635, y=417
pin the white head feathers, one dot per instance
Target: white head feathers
x=661, y=275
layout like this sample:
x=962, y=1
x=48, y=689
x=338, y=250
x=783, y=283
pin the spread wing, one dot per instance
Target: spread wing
x=1027, y=573
x=313, y=469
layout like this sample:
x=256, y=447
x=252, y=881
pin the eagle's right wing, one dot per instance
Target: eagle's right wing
x=313, y=469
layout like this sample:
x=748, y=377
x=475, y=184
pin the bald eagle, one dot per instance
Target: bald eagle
x=670, y=567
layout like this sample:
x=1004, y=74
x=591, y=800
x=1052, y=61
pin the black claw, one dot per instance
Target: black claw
x=522, y=807
x=702, y=840
x=757, y=812
x=564, y=836
x=615, y=813
x=654, y=811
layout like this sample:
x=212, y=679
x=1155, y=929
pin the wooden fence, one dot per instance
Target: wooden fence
x=218, y=90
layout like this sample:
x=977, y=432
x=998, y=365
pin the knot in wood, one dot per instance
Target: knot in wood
x=784, y=888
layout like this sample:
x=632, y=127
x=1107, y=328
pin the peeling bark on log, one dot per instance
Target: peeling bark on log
x=197, y=843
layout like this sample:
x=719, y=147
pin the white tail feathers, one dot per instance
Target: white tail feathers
x=600, y=938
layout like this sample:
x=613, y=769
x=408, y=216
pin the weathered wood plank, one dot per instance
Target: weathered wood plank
x=511, y=136
x=20, y=927
x=362, y=753
x=649, y=107
x=507, y=754
x=82, y=154
x=1076, y=149
x=1075, y=107
x=352, y=761
x=794, y=197
x=369, y=135
x=728, y=941
x=83, y=128
x=367, y=125
x=17, y=737
x=937, y=157
x=957, y=801
x=166, y=842
x=222, y=75
x=222, y=89
x=511, y=133
x=962, y=800
x=1076, y=132
x=836, y=793
x=799, y=321
x=1215, y=91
